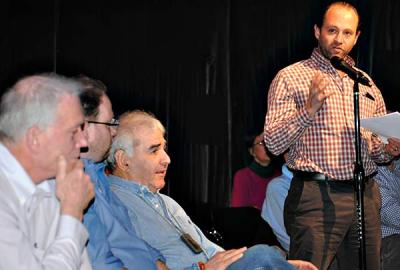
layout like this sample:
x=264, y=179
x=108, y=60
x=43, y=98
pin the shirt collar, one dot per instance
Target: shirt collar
x=17, y=177
x=89, y=164
x=131, y=185
x=325, y=63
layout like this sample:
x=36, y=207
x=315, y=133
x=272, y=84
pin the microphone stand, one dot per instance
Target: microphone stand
x=359, y=180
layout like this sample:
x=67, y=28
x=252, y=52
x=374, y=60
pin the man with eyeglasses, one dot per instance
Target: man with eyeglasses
x=113, y=243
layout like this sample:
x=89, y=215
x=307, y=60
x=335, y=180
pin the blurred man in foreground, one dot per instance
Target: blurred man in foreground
x=41, y=123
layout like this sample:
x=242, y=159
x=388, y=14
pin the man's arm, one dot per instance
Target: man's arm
x=390, y=195
x=380, y=152
x=302, y=265
x=73, y=188
x=98, y=247
x=285, y=122
x=17, y=252
x=18, y=249
x=223, y=259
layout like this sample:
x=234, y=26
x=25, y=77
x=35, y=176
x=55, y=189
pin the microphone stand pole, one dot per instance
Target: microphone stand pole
x=359, y=181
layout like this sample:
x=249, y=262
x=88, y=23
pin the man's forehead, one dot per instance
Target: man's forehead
x=150, y=137
x=105, y=107
x=335, y=12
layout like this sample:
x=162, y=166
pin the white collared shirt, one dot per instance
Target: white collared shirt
x=33, y=233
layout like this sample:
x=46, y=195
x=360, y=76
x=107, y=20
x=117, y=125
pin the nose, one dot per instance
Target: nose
x=165, y=159
x=339, y=37
x=81, y=138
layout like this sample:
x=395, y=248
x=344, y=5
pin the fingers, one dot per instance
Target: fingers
x=61, y=168
x=73, y=187
x=160, y=265
x=233, y=254
x=302, y=265
x=223, y=259
x=393, y=147
x=90, y=190
x=318, y=93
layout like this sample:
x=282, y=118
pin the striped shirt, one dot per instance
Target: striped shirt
x=389, y=186
x=324, y=144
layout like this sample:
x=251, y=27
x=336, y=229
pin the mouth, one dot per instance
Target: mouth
x=161, y=172
x=337, y=50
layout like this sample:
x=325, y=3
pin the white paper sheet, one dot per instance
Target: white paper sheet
x=387, y=126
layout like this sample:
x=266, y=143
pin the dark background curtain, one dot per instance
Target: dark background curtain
x=202, y=67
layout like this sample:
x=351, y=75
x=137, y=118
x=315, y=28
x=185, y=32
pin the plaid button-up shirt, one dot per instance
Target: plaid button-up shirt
x=389, y=186
x=324, y=144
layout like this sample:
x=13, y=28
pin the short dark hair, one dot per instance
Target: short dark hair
x=91, y=95
x=321, y=17
x=249, y=139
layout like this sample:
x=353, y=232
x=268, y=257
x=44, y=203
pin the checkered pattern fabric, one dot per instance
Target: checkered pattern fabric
x=324, y=144
x=389, y=186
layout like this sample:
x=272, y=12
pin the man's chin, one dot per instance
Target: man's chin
x=337, y=52
x=160, y=183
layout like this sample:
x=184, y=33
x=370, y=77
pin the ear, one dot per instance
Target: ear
x=357, y=35
x=33, y=139
x=251, y=151
x=317, y=31
x=121, y=160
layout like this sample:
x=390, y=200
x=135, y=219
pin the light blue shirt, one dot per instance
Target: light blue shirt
x=160, y=221
x=272, y=210
x=389, y=187
x=113, y=241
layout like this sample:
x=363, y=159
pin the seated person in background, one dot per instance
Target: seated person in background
x=249, y=183
x=113, y=242
x=272, y=210
x=139, y=163
x=388, y=179
x=41, y=124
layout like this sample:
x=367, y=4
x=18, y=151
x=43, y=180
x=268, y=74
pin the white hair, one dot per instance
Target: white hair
x=126, y=139
x=33, y=100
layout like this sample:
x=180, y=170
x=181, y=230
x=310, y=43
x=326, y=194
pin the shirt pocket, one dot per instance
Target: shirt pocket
x=367, y=105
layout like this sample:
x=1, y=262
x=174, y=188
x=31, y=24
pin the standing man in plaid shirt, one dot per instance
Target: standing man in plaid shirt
x=310, y=112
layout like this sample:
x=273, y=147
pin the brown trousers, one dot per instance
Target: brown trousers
x=320, y=219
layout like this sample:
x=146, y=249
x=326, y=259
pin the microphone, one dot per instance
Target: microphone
x=356, y=75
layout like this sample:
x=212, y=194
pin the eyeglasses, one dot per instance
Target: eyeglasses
x=259, y=143
x=113, y=123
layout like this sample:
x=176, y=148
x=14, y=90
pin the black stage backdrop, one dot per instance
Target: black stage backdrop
x=202, y=67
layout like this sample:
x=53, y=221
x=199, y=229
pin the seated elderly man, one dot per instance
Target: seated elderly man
x=41, y=124
x=139, y=164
